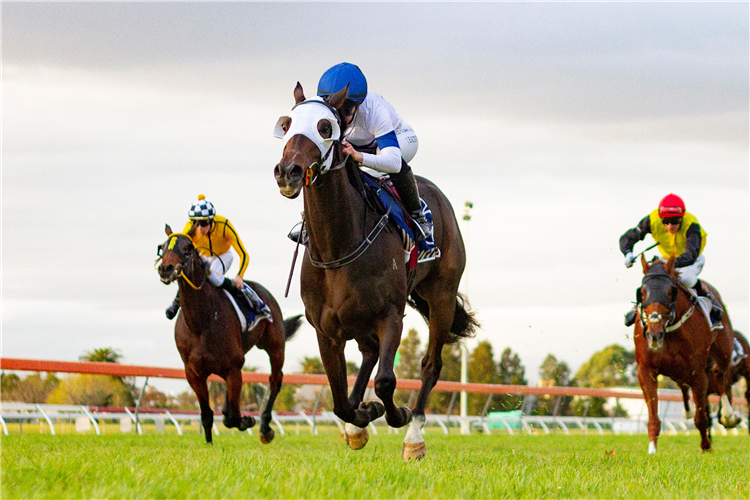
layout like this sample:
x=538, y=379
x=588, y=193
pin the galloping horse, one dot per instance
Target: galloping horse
x=353, y=277
x=673, y=339
x=210, y=338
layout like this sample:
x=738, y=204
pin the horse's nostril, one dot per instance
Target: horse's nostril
x=296, y=172
x=277, y=171
x=167, y=269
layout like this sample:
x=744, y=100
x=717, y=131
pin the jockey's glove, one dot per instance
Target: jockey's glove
x=629, y=259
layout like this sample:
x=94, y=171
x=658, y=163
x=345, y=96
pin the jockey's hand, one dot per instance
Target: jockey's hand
x=348, y=149
x=629, y=259
x=238, y=282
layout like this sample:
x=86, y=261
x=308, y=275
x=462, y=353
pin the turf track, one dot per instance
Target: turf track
x=304, y=466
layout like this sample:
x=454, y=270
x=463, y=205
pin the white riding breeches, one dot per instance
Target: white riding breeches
x=689, y=274
x=218, y=265
x=408, y=142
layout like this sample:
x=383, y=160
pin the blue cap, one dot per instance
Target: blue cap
x=336, y=78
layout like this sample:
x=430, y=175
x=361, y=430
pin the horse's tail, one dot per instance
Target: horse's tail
x=291, y=325
x=464, y=324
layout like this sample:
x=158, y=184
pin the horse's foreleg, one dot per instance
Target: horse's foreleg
x=357, y=419
x=721, y=352
x=369, y=348
x=389, y=333
x=647, y=379
x=232, y=415
x=276, y=357
x=200, y=388
x=686, y=402
x=700, y=397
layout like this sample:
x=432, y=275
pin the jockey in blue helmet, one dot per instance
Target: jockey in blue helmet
x=375, y=136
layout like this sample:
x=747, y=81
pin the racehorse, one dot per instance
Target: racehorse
x=353, y=277
x=210, y=339
x=738, y=370
x=673, y=339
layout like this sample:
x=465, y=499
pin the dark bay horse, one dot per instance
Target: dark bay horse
x=353, y=278
x=673, y=339
x=210, y=339
x=738, y=370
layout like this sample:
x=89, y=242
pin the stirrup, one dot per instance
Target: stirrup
x=425, y=228
x=630, y=318
x=172, y=310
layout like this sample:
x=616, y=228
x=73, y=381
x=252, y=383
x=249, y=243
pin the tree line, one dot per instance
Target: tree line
x=613, y=366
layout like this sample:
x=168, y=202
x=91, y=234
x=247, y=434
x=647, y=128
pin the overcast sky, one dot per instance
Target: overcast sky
x=564, y=124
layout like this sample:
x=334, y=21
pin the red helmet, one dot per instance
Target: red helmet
x=671, y=206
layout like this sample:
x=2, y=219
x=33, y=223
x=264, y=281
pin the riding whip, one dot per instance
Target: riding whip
x=294, y=259
x=647, y=249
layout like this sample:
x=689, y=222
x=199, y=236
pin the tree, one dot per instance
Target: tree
x=409, y=364
x=103, y=355
x=439, y=402
x=613, y=366
x=553, y=373
x=511, y=372
x=481, y=370
x=31, y=389
x=312, y=366
x=91, y=390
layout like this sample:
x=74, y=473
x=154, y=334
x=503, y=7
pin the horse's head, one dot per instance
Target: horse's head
x=176, y=254
x=658, y=297
x=311, y=134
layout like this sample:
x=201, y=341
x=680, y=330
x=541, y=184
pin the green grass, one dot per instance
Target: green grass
x=305, y=466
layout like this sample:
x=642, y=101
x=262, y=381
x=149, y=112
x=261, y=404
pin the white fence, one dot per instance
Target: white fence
x=87, y=419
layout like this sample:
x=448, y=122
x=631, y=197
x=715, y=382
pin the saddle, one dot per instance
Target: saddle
x=248, y=318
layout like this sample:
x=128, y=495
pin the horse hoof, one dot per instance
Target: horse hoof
x=358, y=438
x=413, y=451
x=730, y=422
x=267, y=437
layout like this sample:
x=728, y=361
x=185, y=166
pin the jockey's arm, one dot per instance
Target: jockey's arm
x=231, y=234
x=692, y=246
x=634, y=235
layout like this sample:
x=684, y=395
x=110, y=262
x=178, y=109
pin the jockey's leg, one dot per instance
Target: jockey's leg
x=716, y=310
x=406, y=186
x=172, y=310
x=630, y=316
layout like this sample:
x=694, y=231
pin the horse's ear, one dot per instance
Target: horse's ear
x=299, y=94
x=337, y=100
x=645, y=265
x=167, y=229
x=669, y=267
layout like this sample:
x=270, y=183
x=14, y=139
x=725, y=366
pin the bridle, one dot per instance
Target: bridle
x=186, y=261
x=667, y=321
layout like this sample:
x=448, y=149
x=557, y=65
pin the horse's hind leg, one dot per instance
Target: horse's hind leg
x=441, y=318
x=276, y=355
x=200, y=388
x=232, y=415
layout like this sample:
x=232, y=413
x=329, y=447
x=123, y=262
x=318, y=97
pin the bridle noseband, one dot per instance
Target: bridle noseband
x=659, y=296
x=186, y=261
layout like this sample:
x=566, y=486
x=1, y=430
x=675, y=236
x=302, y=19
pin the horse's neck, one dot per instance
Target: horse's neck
x=196, y=304
x=334, y=216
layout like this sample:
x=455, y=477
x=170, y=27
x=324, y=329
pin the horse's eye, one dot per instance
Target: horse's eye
x=324, y=129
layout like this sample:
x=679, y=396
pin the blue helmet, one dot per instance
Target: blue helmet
x=338, y=76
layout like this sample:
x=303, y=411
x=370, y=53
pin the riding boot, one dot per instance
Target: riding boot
x=406, y=186
x=240, y=295
x=716, y=310
x=172, y=310
x=294, y=234
x=631, y=315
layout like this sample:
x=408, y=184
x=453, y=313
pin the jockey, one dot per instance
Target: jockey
x=376, y=137
x=677, y=232
x=213, y=235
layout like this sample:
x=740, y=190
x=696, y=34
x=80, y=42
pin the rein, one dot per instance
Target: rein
x=183, y=258
x=369, y=240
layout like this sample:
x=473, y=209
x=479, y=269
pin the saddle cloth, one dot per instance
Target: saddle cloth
x=248, y=319
x=705, y=306
x=426, y=250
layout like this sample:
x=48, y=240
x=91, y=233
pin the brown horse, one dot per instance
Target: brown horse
x=673, y=339
x=353, y=278
x=210, y=339
x=736, y=371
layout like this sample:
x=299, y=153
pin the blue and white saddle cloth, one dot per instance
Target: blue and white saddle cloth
x=426, y=249
x=250, y=320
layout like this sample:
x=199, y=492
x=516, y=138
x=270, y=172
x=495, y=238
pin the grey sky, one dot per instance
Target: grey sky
x=564, y=123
